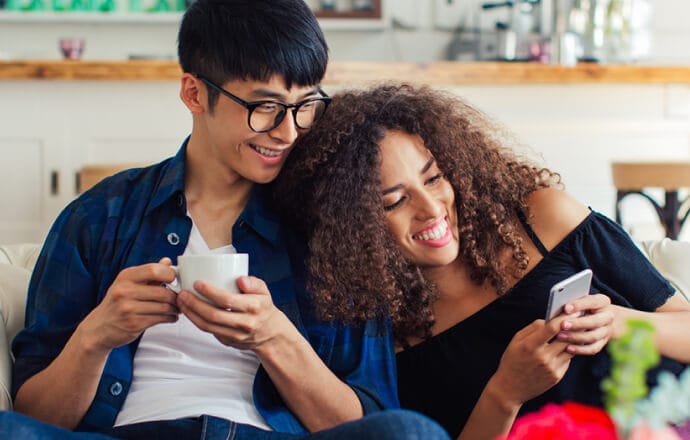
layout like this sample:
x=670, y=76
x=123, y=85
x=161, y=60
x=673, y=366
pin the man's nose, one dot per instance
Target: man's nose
x=286, y=131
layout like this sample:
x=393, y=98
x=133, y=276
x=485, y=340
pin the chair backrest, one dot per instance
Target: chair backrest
x=89, y=175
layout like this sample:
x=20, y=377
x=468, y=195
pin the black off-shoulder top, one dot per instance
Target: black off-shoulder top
x=444, y=376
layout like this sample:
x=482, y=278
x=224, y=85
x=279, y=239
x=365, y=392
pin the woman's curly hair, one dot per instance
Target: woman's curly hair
x=330, y=190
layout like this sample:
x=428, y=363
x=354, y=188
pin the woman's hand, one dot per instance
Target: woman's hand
x=587, y=324
x=533, y=362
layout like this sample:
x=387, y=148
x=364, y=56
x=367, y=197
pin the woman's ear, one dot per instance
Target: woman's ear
x=192, y=94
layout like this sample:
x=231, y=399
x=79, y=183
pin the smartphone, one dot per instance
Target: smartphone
x=570, y=289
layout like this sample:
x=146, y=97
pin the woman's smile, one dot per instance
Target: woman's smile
x=438, y=234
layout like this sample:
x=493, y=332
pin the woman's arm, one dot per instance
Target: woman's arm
x=671, y=323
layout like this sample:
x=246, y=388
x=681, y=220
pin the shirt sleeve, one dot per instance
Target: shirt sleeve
x=61, y=293
x=620, y=269
x=361, y=356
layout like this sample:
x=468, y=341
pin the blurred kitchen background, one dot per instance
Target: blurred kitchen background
x=646, y=31
x=51, y=128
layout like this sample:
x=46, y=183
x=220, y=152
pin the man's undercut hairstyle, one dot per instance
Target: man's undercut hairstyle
x=224, y=40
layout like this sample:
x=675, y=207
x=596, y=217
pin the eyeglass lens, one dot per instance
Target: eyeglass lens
x=269, y=115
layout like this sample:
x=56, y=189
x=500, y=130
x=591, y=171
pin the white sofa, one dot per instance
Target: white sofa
x=16, y=263
x=672, y=258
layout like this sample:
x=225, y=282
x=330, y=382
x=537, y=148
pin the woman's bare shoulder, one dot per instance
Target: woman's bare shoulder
x=554, y=214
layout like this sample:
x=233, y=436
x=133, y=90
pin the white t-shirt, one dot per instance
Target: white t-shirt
x=181, y=371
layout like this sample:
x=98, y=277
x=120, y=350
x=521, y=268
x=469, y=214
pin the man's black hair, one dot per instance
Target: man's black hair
x=225, y=40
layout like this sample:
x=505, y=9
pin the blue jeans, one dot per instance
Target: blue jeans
x=384, y=425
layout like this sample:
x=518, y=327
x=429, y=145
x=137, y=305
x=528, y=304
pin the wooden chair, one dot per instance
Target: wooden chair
x=633, y=177
x=89, y=175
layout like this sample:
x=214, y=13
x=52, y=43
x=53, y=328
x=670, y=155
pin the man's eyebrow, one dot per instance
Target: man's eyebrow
x=265, y=93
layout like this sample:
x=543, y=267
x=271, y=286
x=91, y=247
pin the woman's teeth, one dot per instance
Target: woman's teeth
x=433, y=234
x=266, y=151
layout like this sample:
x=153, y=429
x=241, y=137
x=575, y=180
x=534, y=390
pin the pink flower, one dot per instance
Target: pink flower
x=570, y=421
x=643, y=432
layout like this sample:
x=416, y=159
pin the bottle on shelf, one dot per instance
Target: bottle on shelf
x=362, y=5
x=327, y=5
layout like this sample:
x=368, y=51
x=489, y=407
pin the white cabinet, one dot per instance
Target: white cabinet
x=52, y=128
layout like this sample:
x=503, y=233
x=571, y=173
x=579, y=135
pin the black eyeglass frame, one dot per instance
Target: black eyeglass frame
x=252, y=105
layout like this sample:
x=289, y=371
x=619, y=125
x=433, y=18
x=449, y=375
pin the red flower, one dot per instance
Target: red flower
x=570, y=421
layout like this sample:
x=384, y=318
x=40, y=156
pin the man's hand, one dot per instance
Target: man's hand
x=250, y=321
x=134, y=302
x=246, y=320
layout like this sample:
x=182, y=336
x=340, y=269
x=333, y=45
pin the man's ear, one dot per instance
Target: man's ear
x=193, y=94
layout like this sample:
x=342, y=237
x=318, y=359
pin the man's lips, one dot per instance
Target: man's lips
x=268, y=152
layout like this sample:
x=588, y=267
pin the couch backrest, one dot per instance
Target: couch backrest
x=672, y=259
x=22, y=255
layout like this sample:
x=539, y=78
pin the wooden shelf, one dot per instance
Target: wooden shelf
x=350, y=73
x=329, y=20
x=90, y=17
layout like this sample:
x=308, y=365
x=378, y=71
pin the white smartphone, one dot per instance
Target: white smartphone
x=570, y=289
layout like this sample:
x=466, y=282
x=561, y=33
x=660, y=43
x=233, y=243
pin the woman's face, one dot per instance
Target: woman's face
x=418, y=200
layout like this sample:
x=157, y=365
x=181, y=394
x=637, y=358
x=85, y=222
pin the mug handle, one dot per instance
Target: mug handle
x=175, y=285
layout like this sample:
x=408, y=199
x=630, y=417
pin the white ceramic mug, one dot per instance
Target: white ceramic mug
x=220, y=270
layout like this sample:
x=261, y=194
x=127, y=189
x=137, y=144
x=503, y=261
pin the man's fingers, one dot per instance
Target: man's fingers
x=251, y=301
x=249, y=284
x=147, y=273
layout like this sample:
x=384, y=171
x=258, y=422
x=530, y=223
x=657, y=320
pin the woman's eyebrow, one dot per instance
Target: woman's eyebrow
x=427, y=165
x=398, y=187
x=395, y=188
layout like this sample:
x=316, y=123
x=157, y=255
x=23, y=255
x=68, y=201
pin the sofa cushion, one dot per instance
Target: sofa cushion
x=22, y=255
x=13, y=287
x=672, y=259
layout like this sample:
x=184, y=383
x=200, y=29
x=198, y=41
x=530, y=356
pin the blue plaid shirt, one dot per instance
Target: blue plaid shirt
x=138, y=217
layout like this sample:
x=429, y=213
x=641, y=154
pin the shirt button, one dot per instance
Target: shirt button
x=173, y=239
x=116, y=389
x=242, y=223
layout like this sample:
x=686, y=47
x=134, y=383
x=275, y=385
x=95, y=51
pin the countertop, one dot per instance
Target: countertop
x=442, y=72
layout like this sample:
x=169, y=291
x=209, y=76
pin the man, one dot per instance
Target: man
x=108, y=348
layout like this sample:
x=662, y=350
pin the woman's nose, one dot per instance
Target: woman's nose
x=428, y=206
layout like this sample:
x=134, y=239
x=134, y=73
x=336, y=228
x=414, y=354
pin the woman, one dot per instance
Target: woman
x=413, y=208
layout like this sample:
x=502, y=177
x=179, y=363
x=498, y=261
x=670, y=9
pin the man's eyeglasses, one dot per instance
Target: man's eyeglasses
x=266, y=115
